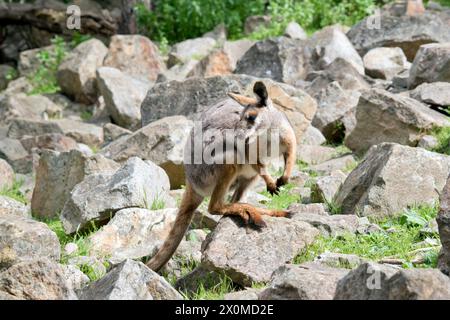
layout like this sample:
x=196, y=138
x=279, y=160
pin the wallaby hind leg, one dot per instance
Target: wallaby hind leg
x=190, y=202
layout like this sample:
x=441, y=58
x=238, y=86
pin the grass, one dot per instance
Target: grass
x=283, y=199
x=86, y=115
x=400, y=237
x=443, y=137
x=14, y=192
x=217, y=292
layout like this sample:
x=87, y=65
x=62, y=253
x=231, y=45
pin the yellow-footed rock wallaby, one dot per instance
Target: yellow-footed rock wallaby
x=247, y=120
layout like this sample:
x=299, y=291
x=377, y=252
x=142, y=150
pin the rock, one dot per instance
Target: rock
x=405, y=32
x=255, y=23
x=113, y=132
x=133, y=234
x=295, y=31
x=280, y=59
x=216, y=63
x=331, y=43
x=428, y=142
x=21, y=127
x=82, y=132
x=161, y=141
x=76, y=74
x=330, y=225
x=437, y=93
x=130, y=280
x=244, y=255
x=7, y=174
x=400, y=81
x=20, y=85
x=178, y=72
x=123, y=96
x=136, y=56
x=7, y=74
x=39, y=279
x=340, y=163
x=339, y=260
x=23, y=239
x=385, y=63
x=312, y=208
x=325, y=188
x=385, y=117
x=192, y=49
x=247, y=294
x=236, y=49
x=443, y=220
x=70, y=248
x=219, y=33
x=14, y=153
x=29, y=61
x=386, y=181
x=431, y=64
x=98, y=196
x=76, y=279
x=34, y=107
x=197, y=278
x=52, y=141
x=57, y=175
x=311, y=154
x=370, y=281
x=204, y=220
x=313, y=137
x=303, y=282
x=336, y=107
x=9, y=206
x=192, y=96
x=377, y=282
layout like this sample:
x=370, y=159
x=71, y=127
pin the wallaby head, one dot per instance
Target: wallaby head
x=254, y=117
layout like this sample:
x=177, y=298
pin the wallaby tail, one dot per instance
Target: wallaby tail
x=191, y=201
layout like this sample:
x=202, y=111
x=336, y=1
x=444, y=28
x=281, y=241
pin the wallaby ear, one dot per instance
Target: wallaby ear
x=242, y=100
x=261, y=92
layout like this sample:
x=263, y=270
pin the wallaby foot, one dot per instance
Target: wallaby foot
x=247, y=212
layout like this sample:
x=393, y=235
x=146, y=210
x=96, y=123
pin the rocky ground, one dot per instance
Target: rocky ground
x=91, y=174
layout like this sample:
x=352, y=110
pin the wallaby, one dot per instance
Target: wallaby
x=249, y=118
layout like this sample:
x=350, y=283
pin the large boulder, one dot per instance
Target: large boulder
x=99, y=196
x=405, y=32
x=432, y=64
x=52, y=141
x=280, y=59
x=331, y=43
x=58, y=173
x=303, y=282
x=161, y=141
x=130, y=280
x=248, y=256
x=76, y=74
x=82, y=132
x=21, y=127
x=136, y=56
x=38, y=279
x=329, y=225
x=133, y=234
x=372, y=281
x=392, y=177
x=192, y=49
x=443, y=220
x=192, y=96
x=385, y=117
x=9, y=206
x=7, y=174
x=216, y=63
x=436, y=94
x=23, y=239
x=15, y=154
x=236, y=49
x=385, y=63
x=123, y=96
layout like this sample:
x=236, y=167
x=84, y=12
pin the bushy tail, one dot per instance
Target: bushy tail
x=191, y=201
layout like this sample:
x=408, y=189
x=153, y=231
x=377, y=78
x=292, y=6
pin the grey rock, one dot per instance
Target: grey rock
x=22, y=239
x=428, y=142
x=236, y=49
x=161, y=141
x=199, y=277
x=385, y=182
x=192, y=49
x=57, y=175
x=313, y=136
x=247, y=294
x=295, y=31
x=130, y=280
x=52, y=141
x=76, y=74
x=385, y=63
x=431, y=64
x=443, y=220
x=98, y=196
x=385, y=117
x=331, y=225
x=311, y=208
x=339, y=260
x=75, y=278
x=243, y=254
x=29, y=61
x=325, y=188
x=82, y=132
x=7, y=174
x=19, y=128
x=123, y=96
x=9, y=206
x=340, y=163
x=437, y=93
x=15, y=154
x=113, y=132
x=311, y=154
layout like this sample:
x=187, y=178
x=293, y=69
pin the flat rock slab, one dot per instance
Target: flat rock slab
x=249, y=255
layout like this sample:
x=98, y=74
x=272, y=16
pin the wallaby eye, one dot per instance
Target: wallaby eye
x=251, y=117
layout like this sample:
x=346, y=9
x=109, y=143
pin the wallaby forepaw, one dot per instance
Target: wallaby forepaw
x=273, y=190
x=281, y=181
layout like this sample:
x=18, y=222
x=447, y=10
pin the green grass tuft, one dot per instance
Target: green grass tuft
x=284, y=199
x=14, y=192
x=443, y=137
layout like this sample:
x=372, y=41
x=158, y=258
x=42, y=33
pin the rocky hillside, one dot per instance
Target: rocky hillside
x=92, y=133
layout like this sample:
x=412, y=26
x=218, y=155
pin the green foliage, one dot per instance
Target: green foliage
x=79, y=38
x=443, y=137
x=86, y=115
x=14, y=192
x=11, y=75
x=44, y=79
x=399, y=238
x=215, y=292
x=283, y=199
